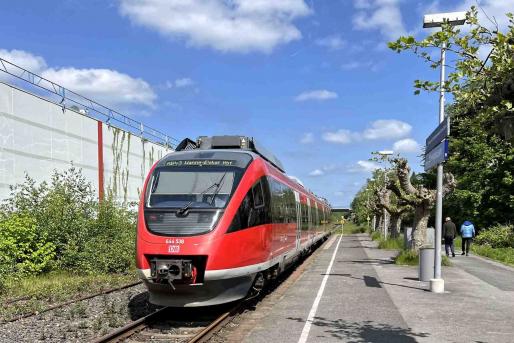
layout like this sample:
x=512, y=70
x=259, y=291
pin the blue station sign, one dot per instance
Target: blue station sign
x=437, y=155
x=441, y=132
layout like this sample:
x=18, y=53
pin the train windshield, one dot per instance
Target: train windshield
x=192, y=187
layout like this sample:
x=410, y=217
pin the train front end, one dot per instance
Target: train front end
x=184, y=214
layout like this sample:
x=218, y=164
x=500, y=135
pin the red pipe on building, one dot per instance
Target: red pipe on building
x=100, y=162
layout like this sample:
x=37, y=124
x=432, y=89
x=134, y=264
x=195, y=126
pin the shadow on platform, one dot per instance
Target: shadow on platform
x=366, y=331
x=371, y=281
x=369, y=261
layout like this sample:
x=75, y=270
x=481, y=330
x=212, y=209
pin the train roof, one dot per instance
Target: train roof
x=243, y=143
x=220, y=148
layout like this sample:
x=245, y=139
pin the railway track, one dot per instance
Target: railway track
x=174, y=326
x=56, y=306
x=189, y=325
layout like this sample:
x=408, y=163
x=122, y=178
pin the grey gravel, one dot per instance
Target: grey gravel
x=81, y=321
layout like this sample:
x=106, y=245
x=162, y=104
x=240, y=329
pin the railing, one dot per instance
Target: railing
x=68, y=99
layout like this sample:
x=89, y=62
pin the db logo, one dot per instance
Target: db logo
x=173, y=248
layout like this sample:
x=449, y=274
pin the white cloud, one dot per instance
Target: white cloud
x=364, y=167
x=317, y=172
x=179, y=83
x=382, y=15
x=184, y=82
x=387, y=129
x=341, y=136
x=334, y=42
x=319, y=94
x=379, y=129
x=24, y=59
x=307, y=138
x=229, y=26
x=105, y=86
x=406, y=145
x=359, y=64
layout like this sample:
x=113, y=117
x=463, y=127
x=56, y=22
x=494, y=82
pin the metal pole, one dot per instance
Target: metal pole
x=385, y=212
x=439, y=198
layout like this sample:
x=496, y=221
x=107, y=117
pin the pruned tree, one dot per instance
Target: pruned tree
x=419, y=197
x=396, y=207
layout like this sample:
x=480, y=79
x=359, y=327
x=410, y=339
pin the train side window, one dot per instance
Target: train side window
x=253, y=210
x=258, y=197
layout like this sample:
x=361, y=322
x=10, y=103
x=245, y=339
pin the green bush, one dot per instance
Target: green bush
x=110, y=244
x=409, y=257
x=498, y=236
x=504, y=255
x=376, y=235
x=23, y=248
x=61, y=225
x=391, y=243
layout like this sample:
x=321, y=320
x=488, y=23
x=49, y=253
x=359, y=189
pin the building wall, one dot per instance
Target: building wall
x=36, y=137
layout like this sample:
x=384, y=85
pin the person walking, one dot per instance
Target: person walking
x=467, y=231
x=449, y=234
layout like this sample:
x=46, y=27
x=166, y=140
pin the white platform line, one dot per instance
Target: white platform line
x=330, y=242
x=314, y=308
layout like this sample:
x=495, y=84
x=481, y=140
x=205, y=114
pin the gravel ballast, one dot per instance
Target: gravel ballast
x=81, y=321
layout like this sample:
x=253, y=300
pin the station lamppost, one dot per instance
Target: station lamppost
x=373, y=223
x=384, y=154
x=430, y=21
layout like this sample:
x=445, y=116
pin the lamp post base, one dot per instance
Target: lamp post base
x=437, y=285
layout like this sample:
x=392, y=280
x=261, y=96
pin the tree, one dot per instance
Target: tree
x=421, y=198
x=482, y=115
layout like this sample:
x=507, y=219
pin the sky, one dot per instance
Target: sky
x=313, y=81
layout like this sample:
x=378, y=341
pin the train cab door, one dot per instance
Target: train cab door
x=298, y=220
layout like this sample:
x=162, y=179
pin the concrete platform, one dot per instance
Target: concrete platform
x=356, y=294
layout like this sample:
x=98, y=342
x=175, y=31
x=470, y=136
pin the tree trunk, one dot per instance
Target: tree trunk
x=380, y=222
x=396, y=222
x=419, y=231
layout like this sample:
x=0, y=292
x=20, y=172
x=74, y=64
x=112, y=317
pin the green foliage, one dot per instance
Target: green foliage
x=23, y=248
x=391, y=243
x=411, y=258
x=376, y=235
x=351, y=228
x=60, y=225
x=498, y=236
x=109, y=245
x=407, y=258
x=504, y=255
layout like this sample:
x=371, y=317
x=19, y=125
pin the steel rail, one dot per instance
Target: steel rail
x=130, y=328
x=212, y=328
x=53, y=307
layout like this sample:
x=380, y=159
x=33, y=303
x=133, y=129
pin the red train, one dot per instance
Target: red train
x=219, y=217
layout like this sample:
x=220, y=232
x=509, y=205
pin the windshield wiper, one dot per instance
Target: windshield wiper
x=218, y=189
x=182, y=211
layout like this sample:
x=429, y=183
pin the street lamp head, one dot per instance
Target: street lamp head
x=385, y=152
x=437, y=19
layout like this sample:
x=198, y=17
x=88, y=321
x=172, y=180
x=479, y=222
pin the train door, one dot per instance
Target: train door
x=298, y=219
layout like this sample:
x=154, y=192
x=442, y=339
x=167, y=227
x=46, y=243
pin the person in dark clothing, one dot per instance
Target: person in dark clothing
x=467, y=231
x=449, y=234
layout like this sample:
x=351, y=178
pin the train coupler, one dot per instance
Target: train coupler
x=172, y=271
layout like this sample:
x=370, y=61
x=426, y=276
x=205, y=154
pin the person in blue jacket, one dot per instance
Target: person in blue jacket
x=467, y=231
